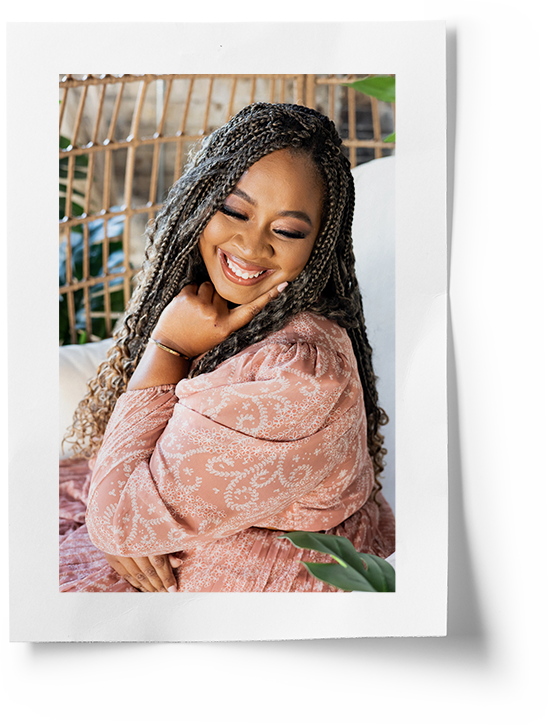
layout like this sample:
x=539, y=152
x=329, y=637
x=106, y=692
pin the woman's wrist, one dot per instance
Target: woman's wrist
x=158, y=367
x=168, y=349
x=163, y=340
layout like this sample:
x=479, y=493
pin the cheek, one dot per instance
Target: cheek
x=212, y=234
x=296, y=262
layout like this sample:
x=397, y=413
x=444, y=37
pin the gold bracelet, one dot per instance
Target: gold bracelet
x=168, y=349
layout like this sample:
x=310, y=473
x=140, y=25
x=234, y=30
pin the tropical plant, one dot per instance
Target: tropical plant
x=379, y=86
x=352, y=571
x=115, y=263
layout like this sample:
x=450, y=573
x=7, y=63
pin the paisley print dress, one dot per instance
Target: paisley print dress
x=216, y=467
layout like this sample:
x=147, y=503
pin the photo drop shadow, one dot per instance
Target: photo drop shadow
x=465, y=621
x=467, y=638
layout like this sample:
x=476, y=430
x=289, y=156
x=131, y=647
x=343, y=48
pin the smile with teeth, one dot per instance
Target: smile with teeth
x=241, y=270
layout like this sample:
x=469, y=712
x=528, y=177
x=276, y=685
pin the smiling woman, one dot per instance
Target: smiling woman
x=239, y=400
x=264, y=233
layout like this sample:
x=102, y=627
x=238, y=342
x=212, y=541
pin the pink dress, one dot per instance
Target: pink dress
x=216, y=467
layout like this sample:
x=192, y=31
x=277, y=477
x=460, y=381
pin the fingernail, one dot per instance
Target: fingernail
x=173, y=589
x=282, y=286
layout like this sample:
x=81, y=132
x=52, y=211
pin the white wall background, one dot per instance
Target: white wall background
x=491, y=668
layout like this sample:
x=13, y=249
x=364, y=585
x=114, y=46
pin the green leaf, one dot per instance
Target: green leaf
x=64, y=334
x=338, y=547
x=379, y=573
x=381, y=87
x=349, y=573
x=347, y=579
x=62, y=187
x=63, y=173
x=115, y=228
x=78, y=161
x=390, y=138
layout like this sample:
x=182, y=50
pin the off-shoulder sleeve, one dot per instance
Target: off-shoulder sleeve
x=241, y=446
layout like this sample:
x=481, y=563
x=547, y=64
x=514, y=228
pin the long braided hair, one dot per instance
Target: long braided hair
x=327, y=285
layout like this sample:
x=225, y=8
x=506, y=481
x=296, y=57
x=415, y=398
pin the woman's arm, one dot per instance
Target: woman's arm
x=194, y=322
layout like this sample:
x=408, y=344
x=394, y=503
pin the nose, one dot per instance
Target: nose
x=254, y=244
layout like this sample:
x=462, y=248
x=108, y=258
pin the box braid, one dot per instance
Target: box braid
x=327, y=285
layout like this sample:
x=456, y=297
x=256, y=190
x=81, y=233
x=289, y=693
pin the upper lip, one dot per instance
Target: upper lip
x=246, y=266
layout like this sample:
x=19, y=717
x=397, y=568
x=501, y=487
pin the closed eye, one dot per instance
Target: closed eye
x=242, y=217
x=291, y=235
x=232, y=213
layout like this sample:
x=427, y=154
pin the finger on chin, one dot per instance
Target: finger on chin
x=271, y=294
x=251, y=309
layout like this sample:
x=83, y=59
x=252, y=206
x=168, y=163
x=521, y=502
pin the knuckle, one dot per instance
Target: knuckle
x=150, y=571
x=140, y=577
x=158, y=560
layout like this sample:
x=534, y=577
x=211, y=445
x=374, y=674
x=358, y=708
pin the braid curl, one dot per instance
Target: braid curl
x=327, y=286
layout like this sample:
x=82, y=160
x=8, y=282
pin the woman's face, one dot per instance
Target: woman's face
x=264, y=233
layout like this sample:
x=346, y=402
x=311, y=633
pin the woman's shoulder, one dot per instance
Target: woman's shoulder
x=309, y=348
x=314, y=330
x=305, y=372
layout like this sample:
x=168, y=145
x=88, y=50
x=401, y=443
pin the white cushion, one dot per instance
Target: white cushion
x=374, y=244
x=77, y=365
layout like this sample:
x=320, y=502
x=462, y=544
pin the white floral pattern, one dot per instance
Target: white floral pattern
x=275, y=438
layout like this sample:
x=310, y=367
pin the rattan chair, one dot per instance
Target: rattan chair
x=124, y=141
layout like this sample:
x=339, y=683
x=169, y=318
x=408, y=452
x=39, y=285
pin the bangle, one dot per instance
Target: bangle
x=168, y=349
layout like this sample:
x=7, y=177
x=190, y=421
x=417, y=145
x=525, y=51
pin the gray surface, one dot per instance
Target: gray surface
x=492, y=666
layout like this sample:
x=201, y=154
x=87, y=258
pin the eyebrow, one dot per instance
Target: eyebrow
x=296, y=214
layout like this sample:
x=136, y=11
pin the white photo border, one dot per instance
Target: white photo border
x=416, y=53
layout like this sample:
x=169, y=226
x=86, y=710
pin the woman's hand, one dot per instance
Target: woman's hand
x=194, y=322
x=198, y=319
x=148, y=574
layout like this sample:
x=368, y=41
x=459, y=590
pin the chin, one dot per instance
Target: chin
x=237, y=297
